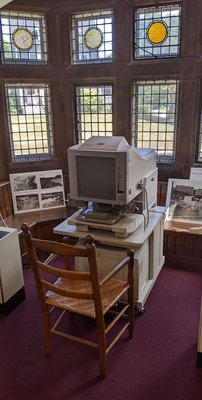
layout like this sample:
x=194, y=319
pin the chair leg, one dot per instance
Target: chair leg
x=102, y=360
x=47, y=333
x=131, y=311
x=102, y=347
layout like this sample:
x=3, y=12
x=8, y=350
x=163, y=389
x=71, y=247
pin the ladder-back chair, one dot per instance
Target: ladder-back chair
x=81, y=292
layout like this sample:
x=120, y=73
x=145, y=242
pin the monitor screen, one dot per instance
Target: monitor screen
x=96, y=177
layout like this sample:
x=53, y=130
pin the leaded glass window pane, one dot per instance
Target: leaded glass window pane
x=94, y=111
x=92, y=37
x=157, y=32
x=199, y=158
x=154, y=117
x=23, y=38
x=29, y=121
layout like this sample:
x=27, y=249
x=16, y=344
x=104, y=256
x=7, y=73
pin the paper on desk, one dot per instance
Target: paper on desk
x=196, y=174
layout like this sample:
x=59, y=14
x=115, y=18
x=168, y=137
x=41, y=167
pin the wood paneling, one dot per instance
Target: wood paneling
x=6, y=205
x=183, y=245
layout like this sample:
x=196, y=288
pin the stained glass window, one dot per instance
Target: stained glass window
x=23, y=38
x=157, y=32
x=92, y=37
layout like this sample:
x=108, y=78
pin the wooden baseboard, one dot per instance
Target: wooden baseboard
x=181, y=262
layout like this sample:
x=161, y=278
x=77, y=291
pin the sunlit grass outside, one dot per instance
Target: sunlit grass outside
x=29, y=134
x=95, y=124
x=159, y=136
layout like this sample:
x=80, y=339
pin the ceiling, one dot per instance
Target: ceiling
x=4, y=2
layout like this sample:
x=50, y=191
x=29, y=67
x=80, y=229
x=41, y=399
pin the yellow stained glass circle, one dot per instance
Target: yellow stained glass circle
x=157, y=32
x=93, y=38
x=22, y=39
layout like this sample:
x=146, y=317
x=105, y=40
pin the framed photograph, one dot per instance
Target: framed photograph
x=33, y=191
x=184, y=200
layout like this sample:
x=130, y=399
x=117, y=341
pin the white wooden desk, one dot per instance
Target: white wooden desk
x=148, y=246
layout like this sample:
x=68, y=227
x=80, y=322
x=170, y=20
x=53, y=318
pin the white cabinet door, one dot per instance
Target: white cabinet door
x=11, y=274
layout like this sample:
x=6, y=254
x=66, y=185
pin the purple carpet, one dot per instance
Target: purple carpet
x=159, y=363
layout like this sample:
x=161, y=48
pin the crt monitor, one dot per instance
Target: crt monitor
x=108, y=170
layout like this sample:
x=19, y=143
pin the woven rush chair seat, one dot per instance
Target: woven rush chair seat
x=110, y=293
x=61, y=287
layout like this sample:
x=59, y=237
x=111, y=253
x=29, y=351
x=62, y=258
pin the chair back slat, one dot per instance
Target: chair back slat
x=75, y=284
x=67, y=293
x=62, y=249
x=60, y=273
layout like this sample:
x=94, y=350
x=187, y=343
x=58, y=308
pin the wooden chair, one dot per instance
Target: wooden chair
x=81, y=292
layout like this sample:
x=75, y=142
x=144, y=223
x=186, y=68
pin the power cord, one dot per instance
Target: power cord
x=146, y=218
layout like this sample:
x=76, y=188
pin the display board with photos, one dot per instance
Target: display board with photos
x=33, y=191
x=184, y=200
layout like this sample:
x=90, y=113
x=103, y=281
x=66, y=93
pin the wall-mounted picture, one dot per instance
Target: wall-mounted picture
x=32, y=191
x=184, y=200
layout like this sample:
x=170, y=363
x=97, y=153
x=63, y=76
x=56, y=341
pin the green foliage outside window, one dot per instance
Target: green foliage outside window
x=93, y=102
x=14, y=107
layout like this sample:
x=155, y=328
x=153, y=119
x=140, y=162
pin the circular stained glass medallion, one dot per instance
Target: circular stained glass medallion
x=93, y=38
x=22, y=39
x=157, y=32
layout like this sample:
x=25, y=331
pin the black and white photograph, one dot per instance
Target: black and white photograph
x=52, y=181
x=22, y=182
x=27, y=202
x=53, y=199
x=184, y=200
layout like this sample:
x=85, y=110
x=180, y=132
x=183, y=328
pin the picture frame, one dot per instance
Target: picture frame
x=184, y=200
x=34, y=191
